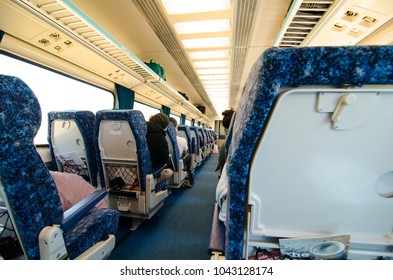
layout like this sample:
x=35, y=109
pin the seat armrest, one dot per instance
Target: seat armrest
x=157, y=173
x=79, y=210
x=217, y=233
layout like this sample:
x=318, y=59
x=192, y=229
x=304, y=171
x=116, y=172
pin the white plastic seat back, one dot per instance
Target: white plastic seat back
x=117, y=141
x=321, y=163
x=312, y=175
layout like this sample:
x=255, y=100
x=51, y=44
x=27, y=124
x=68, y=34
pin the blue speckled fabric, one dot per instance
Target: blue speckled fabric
x=197, y=140
x=30, y=189
x=85, y=121
x=139, y=128
x=171, y=132
x=289, y=67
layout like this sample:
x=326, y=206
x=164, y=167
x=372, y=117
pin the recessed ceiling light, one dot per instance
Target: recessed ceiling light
x=212, y=63
x=217, y=86
x=217, y=92
x=209, y=54
x=213, y=77
x=202, y=26
x=215, y=82
x=206, y=42
x=212, y=71
x=189, y=6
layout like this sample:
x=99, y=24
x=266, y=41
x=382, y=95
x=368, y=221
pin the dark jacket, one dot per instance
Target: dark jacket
x=158, y=145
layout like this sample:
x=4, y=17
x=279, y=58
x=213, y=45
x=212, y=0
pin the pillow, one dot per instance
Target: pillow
x=73, y=188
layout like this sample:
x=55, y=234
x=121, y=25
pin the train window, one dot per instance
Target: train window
x=146, y=110
x=188, y=122
x=177, y=118
x=55, y=91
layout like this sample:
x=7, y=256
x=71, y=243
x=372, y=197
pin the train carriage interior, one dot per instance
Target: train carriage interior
x=283, y=106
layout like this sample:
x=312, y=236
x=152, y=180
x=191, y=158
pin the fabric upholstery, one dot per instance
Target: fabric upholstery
x=30, y=189
x=85, y=121
x=274, y=69
x=197, y=139
x=171, y=132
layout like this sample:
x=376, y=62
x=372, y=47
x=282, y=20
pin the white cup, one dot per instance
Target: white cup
x=328, y=250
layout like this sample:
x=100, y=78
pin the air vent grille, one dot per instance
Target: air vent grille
x=90, y=36
x=69, y=19
x=302, y=21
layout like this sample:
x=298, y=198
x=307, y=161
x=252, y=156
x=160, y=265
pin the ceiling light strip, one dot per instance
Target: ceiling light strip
x=167, y=36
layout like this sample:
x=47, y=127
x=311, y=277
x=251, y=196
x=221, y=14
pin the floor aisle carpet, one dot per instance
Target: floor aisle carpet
x=180, y=230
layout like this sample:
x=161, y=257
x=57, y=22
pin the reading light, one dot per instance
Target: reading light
x=202, y=26
x=206, y=42
x=173, y=7
x=209, y=54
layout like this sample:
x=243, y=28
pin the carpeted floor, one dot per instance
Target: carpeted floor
x=180, y=230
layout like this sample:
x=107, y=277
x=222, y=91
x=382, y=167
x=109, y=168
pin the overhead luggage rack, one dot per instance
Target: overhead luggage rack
x=73, y=28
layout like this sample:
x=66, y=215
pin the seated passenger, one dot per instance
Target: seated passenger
x=226, y=121
x=73, y=188
x=158, y=146
x=183, y=150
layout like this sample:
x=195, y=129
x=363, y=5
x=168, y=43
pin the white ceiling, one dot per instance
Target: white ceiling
x=124, y=21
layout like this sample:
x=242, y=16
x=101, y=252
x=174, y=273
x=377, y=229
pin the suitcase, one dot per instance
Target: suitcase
x=157, y=68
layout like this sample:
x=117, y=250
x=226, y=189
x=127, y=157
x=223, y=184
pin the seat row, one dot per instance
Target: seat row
x=110, y=150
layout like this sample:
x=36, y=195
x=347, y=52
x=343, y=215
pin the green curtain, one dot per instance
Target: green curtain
x=183, y=119
x=125, y=96
x=192, y=122
x=199, y=123
x=166, y=110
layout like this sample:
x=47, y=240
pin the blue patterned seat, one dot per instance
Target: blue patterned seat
x=274, y=70
x=179, y=171
x=33, y=199
x=72, y=131
x=185, y=132
x=202, y=141
x=198, y=150
x=206, y=139
x=120, y=143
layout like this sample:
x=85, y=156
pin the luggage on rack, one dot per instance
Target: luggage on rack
x=157, y=68
x=184, y=95
x=201, y=108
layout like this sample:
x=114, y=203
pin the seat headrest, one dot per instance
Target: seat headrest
x=20, y=112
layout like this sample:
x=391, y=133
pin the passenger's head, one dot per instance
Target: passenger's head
x=160, y=120
x=173, y=121
x=226, y=121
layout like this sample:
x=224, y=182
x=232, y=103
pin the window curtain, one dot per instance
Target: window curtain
x=125, y=96
x=183, y=119
x=199, y=123
x=192, y=122
x=166, y=110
